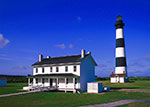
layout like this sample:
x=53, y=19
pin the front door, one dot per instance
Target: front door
x=118, y=79
x=51, y=82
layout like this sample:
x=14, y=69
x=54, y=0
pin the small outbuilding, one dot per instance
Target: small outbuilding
x=3, y=81
x=94, y=87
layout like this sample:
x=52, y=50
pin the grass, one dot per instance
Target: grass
x=136, y=104
x=12, y=88
x=57, y=99
x=68, y=99
x=138, y=84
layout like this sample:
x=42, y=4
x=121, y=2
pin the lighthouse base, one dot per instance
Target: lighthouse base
x=118, y=78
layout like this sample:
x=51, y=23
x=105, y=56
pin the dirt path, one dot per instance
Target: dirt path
x=117, y=103
x=20, y=93
x=135, y=90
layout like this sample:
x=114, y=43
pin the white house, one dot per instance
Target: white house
x=67, y=73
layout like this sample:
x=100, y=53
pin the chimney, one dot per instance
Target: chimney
x=89, y=53
x=82, y=53
x=40, y=57
x=48, y=57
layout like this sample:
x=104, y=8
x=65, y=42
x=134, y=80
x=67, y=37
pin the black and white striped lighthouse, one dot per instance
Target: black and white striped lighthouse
x=121, y=66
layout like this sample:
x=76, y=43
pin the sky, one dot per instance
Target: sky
x=64, y=27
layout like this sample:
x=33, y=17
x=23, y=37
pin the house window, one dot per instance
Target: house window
x=51, y=69
x=36, y=80
x=43, y=80
x=75, y=68
x=75, y=80
x=42, y=70
x=66, y=69
x=36, y=70
x=66, y=80
x=57, y=70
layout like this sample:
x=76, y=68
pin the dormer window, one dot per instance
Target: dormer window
x=51, y=69
x=66, y=69
x=36, y=70
x=42, y=70
x=57, y=70
x=75, y=68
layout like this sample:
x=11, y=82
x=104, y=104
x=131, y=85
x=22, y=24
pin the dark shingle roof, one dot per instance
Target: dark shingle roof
x=120, y=75
x=58, y=60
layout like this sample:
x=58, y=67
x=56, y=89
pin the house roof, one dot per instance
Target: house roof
x=55, y=75
x=63, y=59
x=120, y=75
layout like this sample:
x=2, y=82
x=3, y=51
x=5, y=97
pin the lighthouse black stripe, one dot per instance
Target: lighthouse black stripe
x=120, y=42
x=120, y=61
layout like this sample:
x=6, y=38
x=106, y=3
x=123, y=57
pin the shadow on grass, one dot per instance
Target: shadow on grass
x=117, y=88
x=58, y=91
x=130, y=81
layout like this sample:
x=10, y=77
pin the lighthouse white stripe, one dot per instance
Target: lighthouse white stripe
x=119, y=33
x=120, y=70
x=120, y=52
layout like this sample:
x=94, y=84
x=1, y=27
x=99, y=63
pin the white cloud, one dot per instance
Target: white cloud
x=3, y=41
x=22, y=67
x=70, y=46
x=147, y=57
x=61, y=46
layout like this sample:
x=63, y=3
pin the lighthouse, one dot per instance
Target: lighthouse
x=120, y=75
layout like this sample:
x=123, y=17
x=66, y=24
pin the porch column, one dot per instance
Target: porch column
x=34, y=82
x=49, y=81
x=65, y=85
x=57, y=83
x=41, y=82
x=74, y=83
x=28, y=81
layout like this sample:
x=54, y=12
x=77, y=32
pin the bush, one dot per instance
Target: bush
x=15, y=79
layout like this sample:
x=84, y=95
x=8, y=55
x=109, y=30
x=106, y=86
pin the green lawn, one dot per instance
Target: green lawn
x=12, y=88
x=139, y=84
x=57, y=99
x=54, y=99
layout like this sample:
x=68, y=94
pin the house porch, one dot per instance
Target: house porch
x=58, y=82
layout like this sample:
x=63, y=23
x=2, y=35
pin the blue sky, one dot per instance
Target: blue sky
x=64, y=27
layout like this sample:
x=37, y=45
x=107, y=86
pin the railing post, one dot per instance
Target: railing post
x=65, y=85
